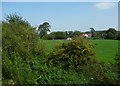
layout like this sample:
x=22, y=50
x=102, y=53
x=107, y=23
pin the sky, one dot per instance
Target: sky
x=60, y=0
x=64, y=16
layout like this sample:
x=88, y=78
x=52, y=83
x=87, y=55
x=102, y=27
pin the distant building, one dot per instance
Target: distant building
x=87, y=35
x=69, y=38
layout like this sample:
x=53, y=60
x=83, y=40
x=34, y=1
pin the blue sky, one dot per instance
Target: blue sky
x=63, y=16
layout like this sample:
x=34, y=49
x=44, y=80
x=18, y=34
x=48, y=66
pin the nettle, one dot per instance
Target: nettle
x=72, y=54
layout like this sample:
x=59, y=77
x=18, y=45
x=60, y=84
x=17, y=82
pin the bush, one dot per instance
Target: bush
x=117, y=58
x=57, y=75
x=72, y=54
x=22, y=51
x=95, y=73
x=100, y=73
x=19, y=71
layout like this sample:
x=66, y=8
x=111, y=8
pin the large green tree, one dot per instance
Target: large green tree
x=111, y=33
x=43, y=29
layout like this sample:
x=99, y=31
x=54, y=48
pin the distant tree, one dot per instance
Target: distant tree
x=51, y=36
x=59, y=35
x=43, y=29
x=111, y=33
x=103, y=34
x=69, y=34
x=76, y=33
x=118, y=35
x=112, y=30
x=92, y=32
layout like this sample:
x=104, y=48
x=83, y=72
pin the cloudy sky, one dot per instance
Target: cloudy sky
x=64, y=16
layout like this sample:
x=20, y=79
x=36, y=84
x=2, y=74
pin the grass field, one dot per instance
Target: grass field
x=105, y=50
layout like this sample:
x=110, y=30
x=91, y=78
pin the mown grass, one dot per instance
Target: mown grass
x=105, y=50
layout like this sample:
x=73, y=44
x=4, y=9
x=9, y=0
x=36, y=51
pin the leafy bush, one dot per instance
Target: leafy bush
x=57, y=75
x=72, y=54
x=117, y=58
x=100, y=73
x=21, y=50
x=96, y=73
x=19, y=71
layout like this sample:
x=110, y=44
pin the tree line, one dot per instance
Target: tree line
x=111, y=33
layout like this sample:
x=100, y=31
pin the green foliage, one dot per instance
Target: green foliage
x=95, y=73
x=117, y=58
x=103, y=34
x=20, y=71
x=63, y=35
x=118, y=35
x=69, y=34
x=57, y=75
x=50, y=36
x=76, y=33
x=100, y=73
x=60, y=35
x=14, y=18
x=43, y=29
x=21, y=49
x=21, y=40
x=111, y=33
x=72, y=54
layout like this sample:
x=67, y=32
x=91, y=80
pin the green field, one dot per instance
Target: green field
x=105, y=50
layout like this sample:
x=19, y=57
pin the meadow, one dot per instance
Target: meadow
x=105, y=50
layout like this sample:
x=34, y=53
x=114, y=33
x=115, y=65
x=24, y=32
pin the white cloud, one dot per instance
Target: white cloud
x=104, y=5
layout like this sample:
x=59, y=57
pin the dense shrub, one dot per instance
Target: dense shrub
x=72, y=54
x=101, y=73
x=19, y=71
x=95, y=73
x=59, y=76
x=21, y=49
x=117, y=58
